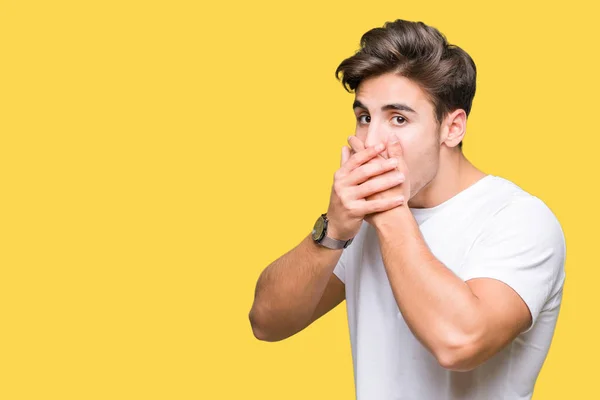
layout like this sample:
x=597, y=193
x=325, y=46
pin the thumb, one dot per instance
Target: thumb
x=395, y=147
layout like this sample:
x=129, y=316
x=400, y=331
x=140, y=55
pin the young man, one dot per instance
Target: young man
x=453, y=278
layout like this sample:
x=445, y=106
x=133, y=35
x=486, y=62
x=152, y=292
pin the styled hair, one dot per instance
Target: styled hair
x=419, y=52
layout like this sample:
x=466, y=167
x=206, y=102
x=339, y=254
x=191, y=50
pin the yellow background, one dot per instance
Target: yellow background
x=156, y=156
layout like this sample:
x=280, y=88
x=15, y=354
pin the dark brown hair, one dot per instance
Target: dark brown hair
x=420, y=53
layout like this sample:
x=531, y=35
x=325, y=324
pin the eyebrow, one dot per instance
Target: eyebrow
x=393, y=106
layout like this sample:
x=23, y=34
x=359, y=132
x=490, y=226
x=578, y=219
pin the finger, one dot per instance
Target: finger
x=361, y=157
x=369, y=170
x=345, y=155
x=358, y=145
x=395, y=147
x=377, y=184
x=379, y=205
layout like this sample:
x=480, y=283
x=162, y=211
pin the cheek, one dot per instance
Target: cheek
x=410, y=147
x=421, y=157
x=412, y=139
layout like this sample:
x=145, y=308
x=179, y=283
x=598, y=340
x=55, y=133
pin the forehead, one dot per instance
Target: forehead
x=391, y=88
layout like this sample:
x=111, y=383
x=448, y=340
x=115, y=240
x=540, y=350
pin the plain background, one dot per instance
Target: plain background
x=155, y=156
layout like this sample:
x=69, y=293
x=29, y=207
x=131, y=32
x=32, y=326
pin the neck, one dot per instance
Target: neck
x=454, y=174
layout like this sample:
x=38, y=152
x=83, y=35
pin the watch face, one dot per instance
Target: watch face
x=318, y=230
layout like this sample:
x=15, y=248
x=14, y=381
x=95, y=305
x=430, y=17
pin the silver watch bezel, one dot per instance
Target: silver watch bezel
x=326, y=241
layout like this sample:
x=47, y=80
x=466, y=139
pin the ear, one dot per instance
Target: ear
x=454, y=128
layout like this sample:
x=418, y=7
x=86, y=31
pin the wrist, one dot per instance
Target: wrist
x=337, y=230
x=325, y=235
x=333, y=233
x=391, y=218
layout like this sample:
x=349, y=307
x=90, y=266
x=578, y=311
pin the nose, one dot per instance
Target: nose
x=375, y=135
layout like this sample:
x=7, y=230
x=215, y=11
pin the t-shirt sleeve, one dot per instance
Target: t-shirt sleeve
x=340, y=268
x=522, y=245
x=346, y=259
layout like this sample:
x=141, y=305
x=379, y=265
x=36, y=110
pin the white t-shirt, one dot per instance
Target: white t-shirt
x=491, y=229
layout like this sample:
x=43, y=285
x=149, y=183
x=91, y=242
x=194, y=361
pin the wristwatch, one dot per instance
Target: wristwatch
x=319, y=235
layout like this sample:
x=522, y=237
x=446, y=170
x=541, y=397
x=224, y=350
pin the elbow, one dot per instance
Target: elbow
x=258, y=333
x=459, y=353
x=455, y=361
x=259, y=328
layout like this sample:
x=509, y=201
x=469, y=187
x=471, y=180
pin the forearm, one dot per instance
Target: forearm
x=438, y=306
x=289, y=289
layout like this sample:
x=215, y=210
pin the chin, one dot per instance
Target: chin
x=413, y=202
x=416, y=196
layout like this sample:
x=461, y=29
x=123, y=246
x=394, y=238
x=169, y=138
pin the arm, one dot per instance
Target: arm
x=508, y=277
x=299, y=287
x=505, y=280
x=295, y=290
x=461, y=323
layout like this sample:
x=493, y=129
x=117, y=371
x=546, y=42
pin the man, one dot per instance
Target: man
x=453, y=278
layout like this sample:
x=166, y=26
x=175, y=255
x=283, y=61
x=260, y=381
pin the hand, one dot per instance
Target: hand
x=352, y=187
x=401, y=171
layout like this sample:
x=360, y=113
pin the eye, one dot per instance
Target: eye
x=367, y=119
x=400, y=120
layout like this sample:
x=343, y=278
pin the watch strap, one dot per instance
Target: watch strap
x=335, y=243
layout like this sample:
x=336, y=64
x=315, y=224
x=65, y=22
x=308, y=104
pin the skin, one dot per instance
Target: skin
x=461, y=323
x=438, y=168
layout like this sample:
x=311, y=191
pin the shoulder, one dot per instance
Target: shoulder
x=525, y=233
x=517, y=211
x=521, y=243
x=525, y=213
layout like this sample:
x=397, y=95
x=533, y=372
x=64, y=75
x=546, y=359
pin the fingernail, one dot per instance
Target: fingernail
x=394, y=139
x=379, y=147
